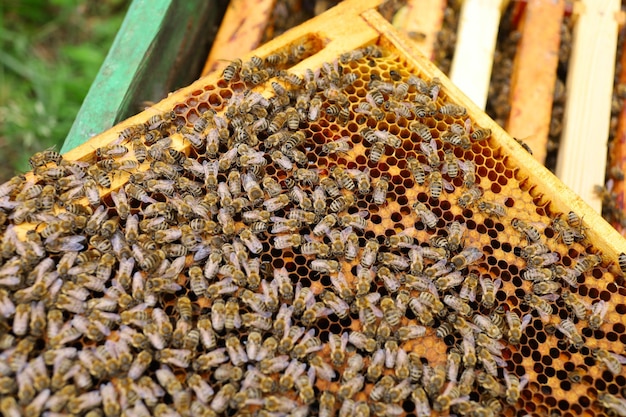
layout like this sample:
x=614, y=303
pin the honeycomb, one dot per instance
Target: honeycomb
x=349, y=242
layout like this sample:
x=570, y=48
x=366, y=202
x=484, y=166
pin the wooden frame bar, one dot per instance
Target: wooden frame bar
x=534, y=74
x=241, y=31
x=582, y=155
x=423, y=17
x=618, y=151
x=135, y=70
x=476, y=42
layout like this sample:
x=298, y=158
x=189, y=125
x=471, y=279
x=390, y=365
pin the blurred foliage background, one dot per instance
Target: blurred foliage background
x=50, y=53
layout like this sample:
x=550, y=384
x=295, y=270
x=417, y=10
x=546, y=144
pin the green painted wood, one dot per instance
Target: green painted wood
x=160, y=47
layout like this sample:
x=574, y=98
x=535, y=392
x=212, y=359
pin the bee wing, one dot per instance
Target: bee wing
x=468, y=125
x=499, y=361
x=447, y=185
x=550, y=297
x=68, y=243
x=373, y=297
x=345, y=233
x=343, y=139
x=355, y=172
x=464, y=165
x=344, y=340
x=234, y=260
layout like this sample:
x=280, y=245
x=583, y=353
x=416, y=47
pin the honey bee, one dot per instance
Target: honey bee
x=276, y=203
x=455, y=235
x=44, y=157
x=368, y=109
x=612, y=361
x=490, y=384
x=514, y=385
x=451, y=165
x=453, y=110
x=457, y=304
x=350, y=387
x=586, y=263
x=546, y=287
x=466, y=257
x=433, y=379
x=287, y=241
x=429, y=149
x=598, y=312
x=292, y=372
x=575, y=304
x=396, y=262
x=315, y=108
x=516, y=326
x=342, y=203
x=361, y=341
x=232, y=319
x=469, y=197
x=304, y=386
x=530, y=231
x=84, y=402
x=400, y=240
x=338, y=348
x=341, y=145
x=427, y=217
x=448, y=281
x=381, y=388
x=612, y=403
x=621, y=260
x=457, y=136
x=422, y=311
x=377, y=151
x=343, y=179
x=379, y=192
x=492, y=209
x=480, y=133
x=111, y=151
x=568, y=328
x=223, y=397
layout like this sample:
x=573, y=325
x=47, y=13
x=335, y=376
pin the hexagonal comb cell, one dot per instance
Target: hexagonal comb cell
x=346, y=242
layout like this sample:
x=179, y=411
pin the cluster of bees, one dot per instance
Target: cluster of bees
x=335, y=244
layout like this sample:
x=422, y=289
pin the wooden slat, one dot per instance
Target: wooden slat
x=582, y=154
x=241, y=31
x=423, y=17
x=157, y=39
x=476, y=42
x=534, y=74
x=618, y=151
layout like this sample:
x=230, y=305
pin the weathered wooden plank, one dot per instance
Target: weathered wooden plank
x=534, y=74
x=476, y=42
x=159, y=48
x=582, y=154
x=423, y=17
x=241, y=31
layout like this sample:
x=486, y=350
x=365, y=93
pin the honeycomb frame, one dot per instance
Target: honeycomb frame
x=539, y=197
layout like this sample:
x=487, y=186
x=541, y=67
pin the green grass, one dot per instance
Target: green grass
x=46, y=68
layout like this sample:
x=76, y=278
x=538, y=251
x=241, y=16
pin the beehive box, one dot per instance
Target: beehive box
x=356, y=239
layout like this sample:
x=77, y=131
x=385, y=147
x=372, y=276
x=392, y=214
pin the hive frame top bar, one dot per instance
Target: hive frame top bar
x=367, y=26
